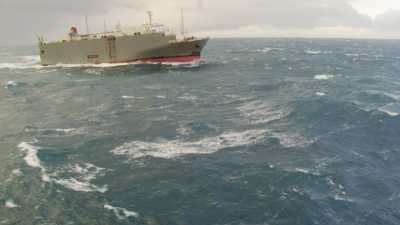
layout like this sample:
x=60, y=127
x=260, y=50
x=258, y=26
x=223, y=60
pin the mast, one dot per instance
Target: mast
x=150, y=14
x=118, y=27
x=105, y=26
x=182, y=24
x=87, y=25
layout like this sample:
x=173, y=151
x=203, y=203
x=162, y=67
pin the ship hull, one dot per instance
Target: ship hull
x=152, y=48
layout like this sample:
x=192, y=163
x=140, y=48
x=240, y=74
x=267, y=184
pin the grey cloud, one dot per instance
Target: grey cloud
x=66, y=7
x=23, y=20
x=388, y=21
x=281, y=14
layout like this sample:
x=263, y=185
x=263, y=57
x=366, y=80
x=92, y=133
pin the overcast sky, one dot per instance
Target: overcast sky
x=22, y=21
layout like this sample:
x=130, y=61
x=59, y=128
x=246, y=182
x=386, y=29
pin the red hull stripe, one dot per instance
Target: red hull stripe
x=165, y=59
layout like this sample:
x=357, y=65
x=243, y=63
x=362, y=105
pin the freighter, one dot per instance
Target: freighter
x=151, y=45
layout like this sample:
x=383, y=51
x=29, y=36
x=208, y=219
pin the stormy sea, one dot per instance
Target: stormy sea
x=260, y=132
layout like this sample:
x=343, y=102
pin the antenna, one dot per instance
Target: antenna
x=182, y=24
x=150, y=14
x=87, y=25
x=119, y=26
x=105, y=26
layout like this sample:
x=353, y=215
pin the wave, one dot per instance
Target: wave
x=33, y=62
x=131, y=97
x=176, y=148
x=31, y=158
x=317, y=52
x=355, y=54
x=121, y=213
x=17, y=172
x=258, y=112
x=291, y=140
x=303, y=171
x=56, y=131
x=320, y=94
x=324, y=77
x=81, y=186
x=188, y=97
x=339, y=197
x=392, y=109
x=83, y=175
x=11, y=84
x=10, y=204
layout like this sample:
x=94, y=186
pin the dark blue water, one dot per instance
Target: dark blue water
x=264, y=131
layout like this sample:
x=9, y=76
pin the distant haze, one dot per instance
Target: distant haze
x=22, y=21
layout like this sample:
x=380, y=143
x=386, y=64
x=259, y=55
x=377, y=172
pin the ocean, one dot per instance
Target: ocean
x=260, y=132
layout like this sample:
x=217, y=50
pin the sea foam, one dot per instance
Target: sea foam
x=259, y=112
x=174, y=148
x=11, y=84
x=324, y=77
x=10, y=204
x=121, y=213
x=31, y=158
x=83, y=174
x=33, y=62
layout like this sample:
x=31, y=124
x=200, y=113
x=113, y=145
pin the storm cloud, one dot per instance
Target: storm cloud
x=23, y=20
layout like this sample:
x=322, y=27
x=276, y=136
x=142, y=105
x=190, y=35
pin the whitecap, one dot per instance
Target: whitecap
x=131, y=97
x=290, y=140
x=169, y=149
x=24, y=62
x=67, y=130
x=83, y=175
x=94, y=71
x=81, y=186
x=10, y=204
x=258, y=112
x=324, y=77
x=313, y=52
x=392, y=109
x=264, y=50
x=352, y=54
x=306, y=171
x=56, y=131
x=188, y=65
x=184, y=131
x=11, y=83
x=337, y=197
x=17, y=172
x=32, y=159
x=121, y=213
x=188, y=97
x=390, y=113
x=320, y=94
